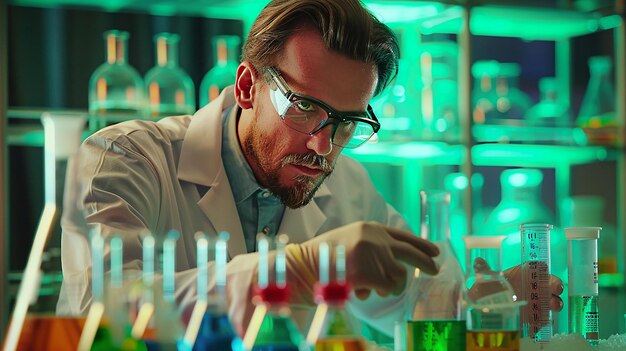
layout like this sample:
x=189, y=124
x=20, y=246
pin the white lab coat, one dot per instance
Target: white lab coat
x=141, y=175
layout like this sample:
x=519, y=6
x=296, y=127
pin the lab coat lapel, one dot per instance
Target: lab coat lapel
x=201, y=163
x=304, y=223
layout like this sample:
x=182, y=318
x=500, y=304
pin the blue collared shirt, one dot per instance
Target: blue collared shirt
x=259, y=210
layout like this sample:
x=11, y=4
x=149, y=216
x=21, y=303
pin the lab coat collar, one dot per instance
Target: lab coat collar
x=201, y=163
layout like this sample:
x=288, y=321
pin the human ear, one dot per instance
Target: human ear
x=244, y=85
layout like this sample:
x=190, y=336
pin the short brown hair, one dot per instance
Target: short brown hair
x=345, y=25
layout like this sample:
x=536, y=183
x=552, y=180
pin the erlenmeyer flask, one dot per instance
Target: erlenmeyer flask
x=549, y=111
x=226, y=50
x=116, y=90
x=520, y=203
x=170, y=89
x=34, y=325
x=484, y=98
x=437, y=319
x=332, y=327
x=271, y=327
x=598, y=106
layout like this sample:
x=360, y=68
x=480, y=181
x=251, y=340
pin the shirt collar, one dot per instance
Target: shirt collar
x=242, y=180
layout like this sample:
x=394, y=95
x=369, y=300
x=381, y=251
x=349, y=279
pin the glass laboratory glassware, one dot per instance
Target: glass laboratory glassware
x=484, y=98
x=537, y=316
x=520, y=203
x=226, y=51
x=550, y=111
x=209, y=327
x=598, y=106
x=397, y=107
x=170, y=89
x=511, y=102
x=271, y=327
x=492, y=307
x=439, y=91
x=455, y=184
x=33, y=320
x=332, y=328
x=436, y=319
x=116, y=90
x=582, y=261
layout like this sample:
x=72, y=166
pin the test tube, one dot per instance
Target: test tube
x=537, y=316
x=582, y=263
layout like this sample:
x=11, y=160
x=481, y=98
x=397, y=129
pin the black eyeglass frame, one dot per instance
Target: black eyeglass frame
x=334, y=117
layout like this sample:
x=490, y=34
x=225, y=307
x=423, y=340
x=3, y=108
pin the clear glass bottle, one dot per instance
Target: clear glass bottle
x=520, y=203
x=512, y=102
x=436, y=320
x=582, y=259
x=549, y=111
x=226, y=51
x=598, y=106
x=456, y=184
x=492, y=307
x=170, y=89
x=116, y=90
x=439, y=91
x=332, y=328
x=484, y=98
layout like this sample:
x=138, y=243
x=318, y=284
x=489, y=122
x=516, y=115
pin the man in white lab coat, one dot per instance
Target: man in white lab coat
x=259, y=159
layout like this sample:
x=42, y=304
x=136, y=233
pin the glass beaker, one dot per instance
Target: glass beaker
x=34, y=324
x=170, y=89
x=492, y=306
x=226, y=51
x=436, y=317
x=116, y=90
x=550, y=111
x=537, y=316
x=520, y=203
x=598, y=106
x=439, y=91
x=455, y=184
x=582, y=262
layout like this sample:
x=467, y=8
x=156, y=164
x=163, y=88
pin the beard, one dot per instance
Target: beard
x=258, y=148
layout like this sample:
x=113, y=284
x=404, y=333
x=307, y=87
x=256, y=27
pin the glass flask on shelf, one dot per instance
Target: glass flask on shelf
x=226, y=51
x=170, y=89
x=436, y=318
x=492, y=308
x=271, y=327
x=397, y=107
x=520, y=203
x=34, y=323
x=598, y=106
x=332, y=327
x=439, y=91
x=484, y=98
x=550, y=111
x=511, y=102
x=116, y=90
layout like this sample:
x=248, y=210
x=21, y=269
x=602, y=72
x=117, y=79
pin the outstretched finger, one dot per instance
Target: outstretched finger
x=424, y=245
x=415, y=257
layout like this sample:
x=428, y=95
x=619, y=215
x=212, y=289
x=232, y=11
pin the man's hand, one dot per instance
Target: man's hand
x=375, y=255
x=514, y=276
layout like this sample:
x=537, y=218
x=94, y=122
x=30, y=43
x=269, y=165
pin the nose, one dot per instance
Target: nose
x=320, y=142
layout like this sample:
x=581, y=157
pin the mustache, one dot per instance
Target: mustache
x=309, y=160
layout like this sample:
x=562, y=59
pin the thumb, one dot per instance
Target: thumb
x=480, y=265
